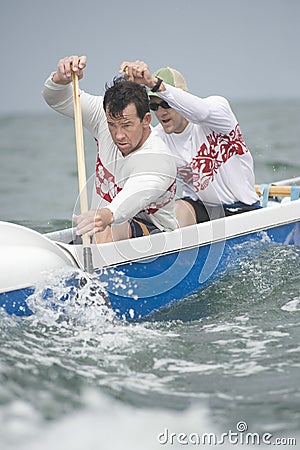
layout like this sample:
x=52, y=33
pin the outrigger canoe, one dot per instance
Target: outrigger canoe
x=144, y=275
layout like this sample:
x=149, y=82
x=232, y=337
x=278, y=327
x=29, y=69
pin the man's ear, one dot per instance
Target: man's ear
x=147, y=119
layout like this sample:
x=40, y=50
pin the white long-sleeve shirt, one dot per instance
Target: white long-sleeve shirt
x=141, y=184
x=213, y=161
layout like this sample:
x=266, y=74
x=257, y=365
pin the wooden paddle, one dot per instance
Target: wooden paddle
x=83, y=196
x=276, y=191
x=96, y=289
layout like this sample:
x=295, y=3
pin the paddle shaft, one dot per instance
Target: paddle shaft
x=280, y=191
x=83, y=196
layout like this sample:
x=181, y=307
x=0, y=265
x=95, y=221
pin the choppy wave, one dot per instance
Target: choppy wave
x=79, y=367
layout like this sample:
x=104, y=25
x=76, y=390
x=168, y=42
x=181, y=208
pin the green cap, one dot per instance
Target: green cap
x=169, y=76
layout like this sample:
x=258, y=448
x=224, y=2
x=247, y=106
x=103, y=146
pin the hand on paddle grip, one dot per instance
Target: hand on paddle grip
x=93, y=221
x=66, y=66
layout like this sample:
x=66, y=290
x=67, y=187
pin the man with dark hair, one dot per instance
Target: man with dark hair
x=135, y=171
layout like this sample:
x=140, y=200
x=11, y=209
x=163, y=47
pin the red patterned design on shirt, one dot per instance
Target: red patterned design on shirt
x=162, y=201
x=208, y=160
x=105, y=183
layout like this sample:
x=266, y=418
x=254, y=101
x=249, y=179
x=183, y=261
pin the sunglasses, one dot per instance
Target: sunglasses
x=155, y=106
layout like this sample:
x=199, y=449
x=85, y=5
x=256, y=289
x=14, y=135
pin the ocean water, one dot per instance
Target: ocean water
x=87, y=381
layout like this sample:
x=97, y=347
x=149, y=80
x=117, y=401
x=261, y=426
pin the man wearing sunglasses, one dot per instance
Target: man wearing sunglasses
x=214, y=165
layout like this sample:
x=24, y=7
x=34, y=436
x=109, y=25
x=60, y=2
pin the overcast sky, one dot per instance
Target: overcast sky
x=242, y=49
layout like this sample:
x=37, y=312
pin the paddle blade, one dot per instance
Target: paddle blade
x=88, y=260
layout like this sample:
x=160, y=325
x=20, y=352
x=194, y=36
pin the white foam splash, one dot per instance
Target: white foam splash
x=82, y=299
x=292, y=306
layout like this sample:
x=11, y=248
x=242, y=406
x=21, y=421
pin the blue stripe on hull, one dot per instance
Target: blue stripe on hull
x=14, y=302
x=140, y=288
